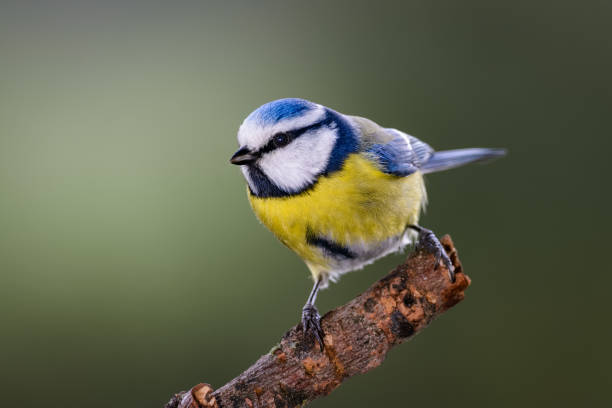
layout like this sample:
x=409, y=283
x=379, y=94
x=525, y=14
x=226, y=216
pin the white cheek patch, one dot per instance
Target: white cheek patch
x=247, y=176
x=255, y=135
x=298, y=164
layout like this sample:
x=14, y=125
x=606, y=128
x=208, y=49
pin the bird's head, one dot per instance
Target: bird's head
x=287, y=144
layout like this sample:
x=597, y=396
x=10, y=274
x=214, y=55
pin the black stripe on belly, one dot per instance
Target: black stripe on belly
x=331, y=247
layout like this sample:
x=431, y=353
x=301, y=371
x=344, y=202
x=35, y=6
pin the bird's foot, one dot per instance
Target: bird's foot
x=311, y=322
x=430, y=243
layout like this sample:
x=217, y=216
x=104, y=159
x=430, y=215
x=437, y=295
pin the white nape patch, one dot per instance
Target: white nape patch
x=297, y=165
x=255, y=135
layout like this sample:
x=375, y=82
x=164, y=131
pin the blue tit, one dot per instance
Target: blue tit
x=339, y=190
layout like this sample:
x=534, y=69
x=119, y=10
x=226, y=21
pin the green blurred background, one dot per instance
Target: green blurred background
x=131, y=265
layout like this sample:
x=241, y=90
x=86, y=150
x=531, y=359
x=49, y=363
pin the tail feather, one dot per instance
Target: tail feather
x=449, y=159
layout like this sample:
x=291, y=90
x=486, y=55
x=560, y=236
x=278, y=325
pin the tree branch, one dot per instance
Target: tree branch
x=358, y=335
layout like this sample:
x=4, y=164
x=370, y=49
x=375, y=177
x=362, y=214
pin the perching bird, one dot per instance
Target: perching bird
x=340, y=191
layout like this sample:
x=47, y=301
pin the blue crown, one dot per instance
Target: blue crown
x=280, y=109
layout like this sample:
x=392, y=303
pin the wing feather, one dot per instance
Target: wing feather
x=396, y=152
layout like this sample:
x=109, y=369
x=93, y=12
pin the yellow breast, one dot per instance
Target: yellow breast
x=358, y=205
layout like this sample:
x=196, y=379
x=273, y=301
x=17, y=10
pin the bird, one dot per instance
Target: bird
x=341, y=191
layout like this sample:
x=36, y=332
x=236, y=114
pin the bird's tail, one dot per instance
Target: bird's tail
x=449, y=159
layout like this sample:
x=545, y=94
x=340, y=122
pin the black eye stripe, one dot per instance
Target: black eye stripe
x=294, y=134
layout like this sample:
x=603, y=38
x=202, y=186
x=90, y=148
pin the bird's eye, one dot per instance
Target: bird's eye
x=281, y=139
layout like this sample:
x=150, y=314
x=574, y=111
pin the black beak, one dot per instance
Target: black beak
x=243, y=156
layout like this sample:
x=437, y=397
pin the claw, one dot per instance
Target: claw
x=430, y=243
x=311, y=322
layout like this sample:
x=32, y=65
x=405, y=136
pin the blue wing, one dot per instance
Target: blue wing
x=401, y=154
x=396, y=152
x=422, y=150
x=405, y=154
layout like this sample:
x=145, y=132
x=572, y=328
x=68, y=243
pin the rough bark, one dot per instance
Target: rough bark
x=358, y=335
